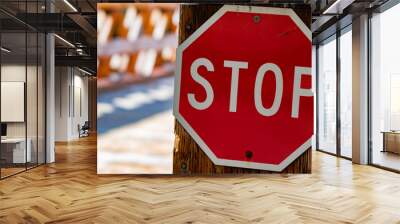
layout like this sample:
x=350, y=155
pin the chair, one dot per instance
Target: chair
x=84, y=130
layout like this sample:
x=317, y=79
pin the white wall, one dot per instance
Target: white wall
x=13, y=101
x=16, y=73
x=80, y=109
x=33, y=126
x=62, y=81
x=13, y=73
x=71, y=93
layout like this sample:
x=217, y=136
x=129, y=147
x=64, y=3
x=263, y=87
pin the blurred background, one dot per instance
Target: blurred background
x=136, y=45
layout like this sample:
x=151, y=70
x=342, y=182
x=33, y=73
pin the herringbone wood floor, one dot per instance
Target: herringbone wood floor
x=69, y=191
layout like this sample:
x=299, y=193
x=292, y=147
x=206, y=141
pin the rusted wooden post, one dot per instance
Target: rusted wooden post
x=188, y=156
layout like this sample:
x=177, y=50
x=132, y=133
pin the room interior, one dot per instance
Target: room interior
x=385, y=90
x=30, y=111
x=22, y=101
x=71, y=102
x=340, y=188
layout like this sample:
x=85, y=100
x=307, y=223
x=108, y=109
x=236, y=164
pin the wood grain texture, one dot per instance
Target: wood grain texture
x=188, y=156
x=70, y=191
x=92, y=107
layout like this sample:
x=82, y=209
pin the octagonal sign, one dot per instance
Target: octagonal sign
x=243, y=87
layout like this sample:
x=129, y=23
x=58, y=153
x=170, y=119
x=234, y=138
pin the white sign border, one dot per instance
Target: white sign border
x=225, y=162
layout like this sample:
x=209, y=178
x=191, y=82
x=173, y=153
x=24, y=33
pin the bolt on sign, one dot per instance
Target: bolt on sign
x=243, y=87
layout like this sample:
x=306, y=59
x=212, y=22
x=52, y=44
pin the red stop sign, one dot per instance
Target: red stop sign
x=243, y=87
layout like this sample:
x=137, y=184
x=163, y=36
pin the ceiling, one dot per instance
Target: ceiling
x=72, y=20
x=75, y=21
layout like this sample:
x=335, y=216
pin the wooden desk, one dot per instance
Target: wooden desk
x=19, y=155
x=391, y=141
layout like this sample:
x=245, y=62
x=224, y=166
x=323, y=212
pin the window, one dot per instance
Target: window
x=22, y=101
x=385, y=89
x=346, y=93
x=314, y=81
x=327, y=96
